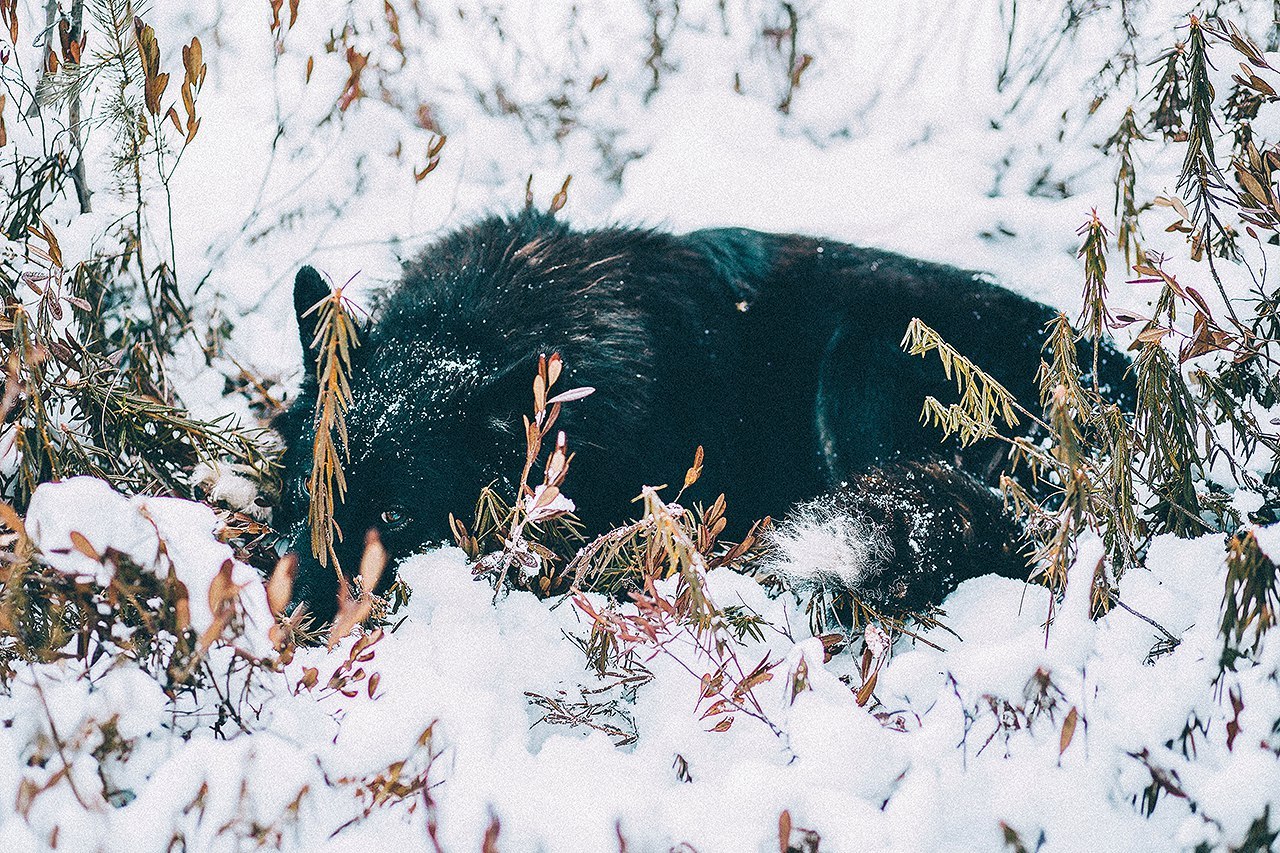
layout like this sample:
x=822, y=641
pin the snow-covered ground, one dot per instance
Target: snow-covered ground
x=961, y=740
x=900, y=135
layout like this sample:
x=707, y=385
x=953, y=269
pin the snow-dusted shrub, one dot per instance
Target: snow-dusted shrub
x=1143, y=716
x=94, y=315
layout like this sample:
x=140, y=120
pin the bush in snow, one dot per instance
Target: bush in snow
x=153, y=691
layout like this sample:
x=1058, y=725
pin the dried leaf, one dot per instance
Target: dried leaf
x=280, y=586
x=864, y=692
x=372, y=562
x=539, y=393
x=1068, y=730
x=691, y=476
x=1233, y=726
x=559, y=199
x=718, y=707
x=571, y=395
x=10, y=518
x=182, y=609
x=490, y=842
x=81, y=544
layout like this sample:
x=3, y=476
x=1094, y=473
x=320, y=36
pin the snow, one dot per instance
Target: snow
x=818, y=545
x=897, y=137
x=936, y=757
x=158, y=534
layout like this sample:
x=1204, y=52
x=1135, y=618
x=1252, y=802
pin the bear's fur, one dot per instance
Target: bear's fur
x=780, y=355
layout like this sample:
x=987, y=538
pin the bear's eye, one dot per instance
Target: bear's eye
x=395, y=517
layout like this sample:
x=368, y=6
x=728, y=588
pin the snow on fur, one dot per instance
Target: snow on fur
x=819, y=546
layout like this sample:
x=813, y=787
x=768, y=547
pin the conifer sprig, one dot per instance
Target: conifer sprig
x=1095, y=317
x=335, y=340
x=1120, y=145
x=983, y=401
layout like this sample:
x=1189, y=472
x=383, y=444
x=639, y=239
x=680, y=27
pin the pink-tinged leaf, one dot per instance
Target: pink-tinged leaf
x=571, y=395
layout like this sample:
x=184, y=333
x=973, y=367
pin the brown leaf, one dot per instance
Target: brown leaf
x=81, y=544
x=1251, y=184
x=64, y=37
x=356, y=62
x=351, y=612
x=717, y=707
x=222, y=589
x=193, y=62
x=555, y=365
x=154, y=91
x=1152, y=334
x=864, y=692
x=558, y=461
x=280, y=586
x=182, y=609
x=722, y=726
x=784, y=831
x=213, y=632
x=10, y=518
x=695, y=471
x=490, y=842
x=1068, y=730
x=372, y=562
x=154, y=82
x=559, y=199
x=539, y=393
x=751, y=682
x=1233, y=727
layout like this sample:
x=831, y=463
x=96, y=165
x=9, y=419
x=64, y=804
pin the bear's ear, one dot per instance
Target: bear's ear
x=308, y=289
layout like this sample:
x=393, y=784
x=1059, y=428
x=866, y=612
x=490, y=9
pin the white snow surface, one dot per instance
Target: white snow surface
x=899, y=136
x=158, y=534
x=942, y=757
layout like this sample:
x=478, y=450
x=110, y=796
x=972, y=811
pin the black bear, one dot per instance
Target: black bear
x=780, y=355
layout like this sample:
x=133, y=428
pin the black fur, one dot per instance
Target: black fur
x=779, y=354
x=924, y=526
